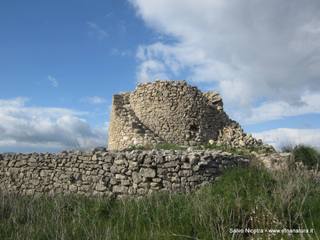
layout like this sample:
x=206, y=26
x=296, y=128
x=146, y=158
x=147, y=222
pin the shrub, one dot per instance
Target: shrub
x=309, y=156
x=287, y=148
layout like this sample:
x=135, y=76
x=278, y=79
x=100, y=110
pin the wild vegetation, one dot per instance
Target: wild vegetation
x=305, y=155
x=243, y=198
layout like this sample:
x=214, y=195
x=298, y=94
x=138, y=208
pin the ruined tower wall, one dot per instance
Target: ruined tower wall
x=125, y=128
x=173, y=112
x=177, y=112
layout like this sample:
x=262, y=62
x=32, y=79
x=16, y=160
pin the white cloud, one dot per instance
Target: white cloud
x=272, y=110
x=28, y=126
x=150, y=70
x=281, y=137
x=96, y=30
x=16, y=102
x=249, y=49
x=95, y=100
x=53, y=81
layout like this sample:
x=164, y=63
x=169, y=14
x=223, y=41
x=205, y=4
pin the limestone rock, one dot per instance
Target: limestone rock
x=148, y=172
x=113, y=173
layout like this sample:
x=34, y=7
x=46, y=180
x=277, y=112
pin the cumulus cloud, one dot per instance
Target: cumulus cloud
x=250, y=50
x=151, y=69
x=272, y=110
x=281, y=137
x=27, y=126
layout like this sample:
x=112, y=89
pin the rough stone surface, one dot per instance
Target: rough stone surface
x=107, y=173
x=172, y=112
x=274, y=161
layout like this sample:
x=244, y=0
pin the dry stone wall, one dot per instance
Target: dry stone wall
x=172, y=112
x=112, y=173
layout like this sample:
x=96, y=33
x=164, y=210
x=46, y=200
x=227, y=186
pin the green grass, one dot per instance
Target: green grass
x=241, y=198
x=170, y=146
x=304, y=155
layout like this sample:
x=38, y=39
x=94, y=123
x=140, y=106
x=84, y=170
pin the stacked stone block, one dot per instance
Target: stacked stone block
x=112, y=173
x=172, y=112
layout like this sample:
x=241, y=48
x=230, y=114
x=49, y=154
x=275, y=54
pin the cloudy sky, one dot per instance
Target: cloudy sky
x=61, y=62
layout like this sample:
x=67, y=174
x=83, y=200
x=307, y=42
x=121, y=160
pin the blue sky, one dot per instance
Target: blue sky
x=87, y=46
x=61, y=62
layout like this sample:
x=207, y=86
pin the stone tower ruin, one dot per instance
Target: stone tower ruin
x=172, y=112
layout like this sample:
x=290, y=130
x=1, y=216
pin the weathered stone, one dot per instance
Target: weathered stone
x=73, y=188
x=120, y=189
x=101, y=187
x=141, y=191
x=113, y=181
x=125, y=182
x=106, y=167
x=69, y=172
x=194, y=178
x=176, y=186
x=171, y=164
x=185, y=173
x=186, y=166
x=148, y=172
x=157, y=180
x=175, y=112
x=20, y=163
x=136, y=177
x=120, y=162
x=120, y=176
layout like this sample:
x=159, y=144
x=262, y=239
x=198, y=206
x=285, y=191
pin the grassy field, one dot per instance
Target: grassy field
x=251, y=198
